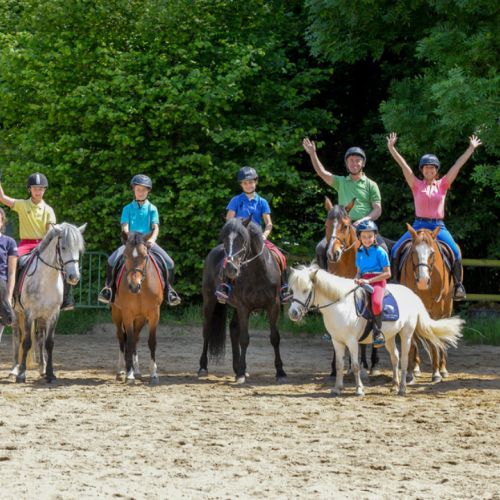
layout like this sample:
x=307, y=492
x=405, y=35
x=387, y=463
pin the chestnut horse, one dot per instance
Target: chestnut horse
x=139, y=295
x=341, y=246
x=426, y=273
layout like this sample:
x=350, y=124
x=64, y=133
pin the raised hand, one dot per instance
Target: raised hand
x=392, y=138
x=309, y=146
x=475, y=142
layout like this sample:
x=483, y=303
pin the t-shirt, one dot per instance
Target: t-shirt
x=372, y=259
x=364, y=190
x=8, y=248
x=244, y=207
x=429, y=199
x=140, y=218
x=33, y=218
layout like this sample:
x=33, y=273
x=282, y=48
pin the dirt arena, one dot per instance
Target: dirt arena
x=90, y=436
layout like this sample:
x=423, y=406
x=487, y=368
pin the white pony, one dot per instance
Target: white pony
x=314, y=288
x=37, y=308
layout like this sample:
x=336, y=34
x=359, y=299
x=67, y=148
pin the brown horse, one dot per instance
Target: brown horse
x=341, y=246
x=139, y=295
x=425, y=272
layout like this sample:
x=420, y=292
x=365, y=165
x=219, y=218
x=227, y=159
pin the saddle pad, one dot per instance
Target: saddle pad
x=390, y=309
x=24, y=264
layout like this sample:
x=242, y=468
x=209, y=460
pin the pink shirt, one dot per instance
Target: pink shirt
x=429, y=199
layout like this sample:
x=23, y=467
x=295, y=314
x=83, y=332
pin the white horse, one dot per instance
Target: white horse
x=37, y=308
x=314, y=288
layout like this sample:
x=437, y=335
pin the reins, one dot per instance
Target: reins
x=309, y=298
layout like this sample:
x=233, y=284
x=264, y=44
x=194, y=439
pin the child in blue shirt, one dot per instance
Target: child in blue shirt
x=141, y=216
x=250, y=204
x=372, y=263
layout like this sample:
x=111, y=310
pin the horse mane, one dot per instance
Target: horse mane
x=251, y=234
x=424, y=236
x=134, y=238
x=337, y=212
x=332, y=286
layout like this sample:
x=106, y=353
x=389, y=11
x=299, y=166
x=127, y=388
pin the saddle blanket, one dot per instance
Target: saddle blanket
x=390, y=309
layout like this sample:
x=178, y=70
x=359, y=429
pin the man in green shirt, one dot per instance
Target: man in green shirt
x=368, y=204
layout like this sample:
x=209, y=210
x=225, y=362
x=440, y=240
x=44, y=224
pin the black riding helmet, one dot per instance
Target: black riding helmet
x=141, y=180
x=354, y=151
x=429, y=159
x=247, y=174
x=37, y=180
x=367, y=225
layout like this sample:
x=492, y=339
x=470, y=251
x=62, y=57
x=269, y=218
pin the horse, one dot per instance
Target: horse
x=40, y=296
x=242, y=257
x=342, y=243
x=139, y=295
x=425, y=272
x=314, y=288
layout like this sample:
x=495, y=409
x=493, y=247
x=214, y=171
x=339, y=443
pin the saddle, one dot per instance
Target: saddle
x=23, y=264
x=278, y=255
x=390, y=309
x=444, y=249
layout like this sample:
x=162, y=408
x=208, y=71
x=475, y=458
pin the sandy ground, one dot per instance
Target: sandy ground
x=90, y=436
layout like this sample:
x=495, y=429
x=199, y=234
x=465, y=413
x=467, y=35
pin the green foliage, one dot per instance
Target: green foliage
x=94, y=92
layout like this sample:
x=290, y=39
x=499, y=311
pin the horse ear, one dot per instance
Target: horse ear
x=435, y=232
x=412, y=231
x=82, y=228
x=349, y=207
x=328, y=204
x=312, y=275
x=124, y=237
x=246, y=221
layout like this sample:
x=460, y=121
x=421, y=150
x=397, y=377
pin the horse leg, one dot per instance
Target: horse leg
x=41, y=335
x=153, y=323
x=333, y=372
x=273, y=314
x=208, y=311
x=435, y=355
x=375, y=359
x=21, y=376
x=353, y=349
x=390, y=345
x=16, y=338
x=339, y=381
x=364, y=362
x=442, y=363
x=235, y=346
x=244, y=341
x=413, y=359
x=130, y=348
x=120, y=335
x=405, y=335
x=49, y=346
x=138, y=325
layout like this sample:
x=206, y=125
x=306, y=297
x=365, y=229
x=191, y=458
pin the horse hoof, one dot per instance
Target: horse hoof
x=21, y=379
x=410, y=380
x=283, y=379
x=119, y=376
x=130, y=380
x=335, y=393
x=402, y=392
x=375, y=372
x=154, y=381
x=417, y=372
x=444, y=374
x=436, y=378
x=359, y=392
x=202, y=373
x=240, y=380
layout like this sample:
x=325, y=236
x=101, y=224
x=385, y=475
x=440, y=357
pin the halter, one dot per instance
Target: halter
x=343, y=245
x=230, y=257
x=306, y=305
x=141, y=271
x=59, y=260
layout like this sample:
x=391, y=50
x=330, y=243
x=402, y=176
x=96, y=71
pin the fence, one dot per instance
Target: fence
x=483, y=297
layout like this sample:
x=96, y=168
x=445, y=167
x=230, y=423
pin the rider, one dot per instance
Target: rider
x=8, y=258
x=141, y=216
x=429, y=197
x=35, y=219
x=373, y=268
x=244, y=205
x=357, y=185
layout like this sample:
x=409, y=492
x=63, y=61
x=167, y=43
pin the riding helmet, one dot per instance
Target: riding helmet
x=247, y=174
x=429, y=159
x=37, y=180
x=367, y=225
x=141, y=180
x=355, y=151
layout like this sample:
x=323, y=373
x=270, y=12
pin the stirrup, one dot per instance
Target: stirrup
x=285, y=294
x=68, y=306
x=105, y=295
x=223, y=292
x=378, y=340
x=459, y=292
x=173, y=298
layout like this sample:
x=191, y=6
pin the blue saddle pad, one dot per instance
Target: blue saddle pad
x=390, y=309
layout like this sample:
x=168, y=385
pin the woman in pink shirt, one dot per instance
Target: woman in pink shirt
x=429, y=195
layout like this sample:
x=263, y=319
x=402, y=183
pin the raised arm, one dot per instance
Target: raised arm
x=474, y=142
x=310, y=149
x=6, y=200
x=407, y=171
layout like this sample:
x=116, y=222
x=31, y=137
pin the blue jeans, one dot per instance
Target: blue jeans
x=443, y=235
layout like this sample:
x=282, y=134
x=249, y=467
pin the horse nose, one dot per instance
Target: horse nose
x=336, y=255
x=293, y=314
x=134, y=288
x=73, y=279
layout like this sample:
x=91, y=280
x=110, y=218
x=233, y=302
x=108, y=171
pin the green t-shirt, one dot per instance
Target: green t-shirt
x=364, y=190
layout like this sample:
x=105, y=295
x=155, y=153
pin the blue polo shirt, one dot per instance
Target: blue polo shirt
x=371, y=260
x=8, y=248
x=140, y=218
x=244, y=207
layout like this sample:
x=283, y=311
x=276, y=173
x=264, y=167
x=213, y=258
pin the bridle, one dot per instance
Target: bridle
x=306, y=305
x=60, y=263
x=141, y=270
x=230, y=257
x=343, y=245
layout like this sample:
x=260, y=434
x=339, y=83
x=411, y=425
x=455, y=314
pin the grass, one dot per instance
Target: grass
x=477, y=330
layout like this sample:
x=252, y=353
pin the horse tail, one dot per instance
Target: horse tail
x=214, y=330
x=441, y=333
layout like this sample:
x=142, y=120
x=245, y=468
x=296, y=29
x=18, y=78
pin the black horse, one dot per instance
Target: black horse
x=241, y=258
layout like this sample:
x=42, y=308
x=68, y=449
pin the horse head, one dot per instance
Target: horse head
x=423, y=252
x=340, y=233
x=236, y=238
x=301, y=285
x=136, y=255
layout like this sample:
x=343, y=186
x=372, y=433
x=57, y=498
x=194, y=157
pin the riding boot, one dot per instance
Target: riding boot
x=68, y=303
x=171, y=296
x=459, y=290
x=378, y=336
x=223, y=292
x=106, y=294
